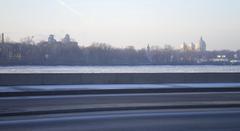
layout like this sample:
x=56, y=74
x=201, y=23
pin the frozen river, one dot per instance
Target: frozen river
x=118, y=69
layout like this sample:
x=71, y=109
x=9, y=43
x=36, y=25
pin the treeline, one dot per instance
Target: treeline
x=59, y=53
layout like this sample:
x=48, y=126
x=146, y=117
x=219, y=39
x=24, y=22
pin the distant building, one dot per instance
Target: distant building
x=185, y=47
x=220, y=59
x=192, y=46
x=201, y=45
x=66, y=39
x=51, y=39
x=2, y=38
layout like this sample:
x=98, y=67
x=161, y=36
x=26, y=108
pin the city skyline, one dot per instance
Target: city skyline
x=193, y=46
x=127, y=22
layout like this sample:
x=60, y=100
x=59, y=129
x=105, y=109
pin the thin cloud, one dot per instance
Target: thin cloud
x=64, y=4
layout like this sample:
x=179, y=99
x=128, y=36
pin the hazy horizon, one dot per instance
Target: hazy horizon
x=125, y=22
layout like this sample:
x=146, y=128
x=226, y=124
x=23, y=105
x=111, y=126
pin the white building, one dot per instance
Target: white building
x=188, y=47
x=184, y=47
x=201, y=45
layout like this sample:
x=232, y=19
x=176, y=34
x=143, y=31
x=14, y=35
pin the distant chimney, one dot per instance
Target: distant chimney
x=3, y=38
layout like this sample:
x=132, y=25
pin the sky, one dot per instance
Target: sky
x=122, y=23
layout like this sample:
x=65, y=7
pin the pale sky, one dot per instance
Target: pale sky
x=125, y=22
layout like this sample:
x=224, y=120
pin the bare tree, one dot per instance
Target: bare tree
x=28, y=40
